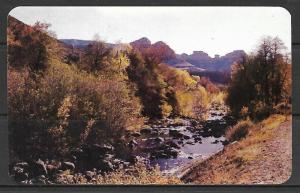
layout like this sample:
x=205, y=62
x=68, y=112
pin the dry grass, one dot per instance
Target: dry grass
x=239, y=131
x=243, y=162
x=138, y=174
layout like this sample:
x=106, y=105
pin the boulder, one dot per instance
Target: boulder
x=146, y=130
x=51, y=169
x=22, y=164
x=173, y=144
x=105, y=166
x=194, y=123
x=158, y=140
x=190, y=143
x=225, y=142
x=89, y=175
x=186, y=137
x=103, y=148
x=38, y=168
x=132, y=143
x=175, y=133
x=136, y=134
x=173, y=152
x=67, y=166
x=19, y=174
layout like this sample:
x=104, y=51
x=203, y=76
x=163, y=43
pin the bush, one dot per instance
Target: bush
x=66, y=107
x=283, y=108
x=239, y=131
x=138, y=174
x=185, y=94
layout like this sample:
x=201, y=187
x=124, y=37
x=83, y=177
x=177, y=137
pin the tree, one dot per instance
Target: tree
x=149, y=83
x=96, y=55
x=262, y=80
x=30, y=46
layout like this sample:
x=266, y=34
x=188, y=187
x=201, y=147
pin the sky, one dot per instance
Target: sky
x=214, y=30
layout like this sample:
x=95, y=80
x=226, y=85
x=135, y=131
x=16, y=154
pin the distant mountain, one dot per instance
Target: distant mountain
x=163, y=50
x=76, y=43
x=197, y=61
x=141, y=44
x=81, y=43
x=223, y=63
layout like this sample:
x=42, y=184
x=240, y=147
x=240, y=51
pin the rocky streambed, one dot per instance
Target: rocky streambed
x=173, y=144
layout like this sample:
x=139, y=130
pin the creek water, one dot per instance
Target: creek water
x=199, y=141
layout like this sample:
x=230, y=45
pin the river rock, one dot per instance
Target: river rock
x=215, y=142
x=19, y=174
x=173, y=144
x=105, y=166
x=158, y=139
x=225, y=142
x=67, y=166
x=146, y=130
x=132, y=144
x=173, y=152
x=136, y=134
x=175, y=133
x=102, y=149
x=190, y=143
x=22, y=164
x=41, y=179
x=194, y=123
x=38, y=168
x=51, y=169
x=89, y=175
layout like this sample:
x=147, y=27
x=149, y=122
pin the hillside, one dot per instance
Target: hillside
x=263, y=157
x=18, y=33
x=198, y=61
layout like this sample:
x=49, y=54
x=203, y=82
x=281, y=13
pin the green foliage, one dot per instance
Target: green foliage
x=261, y=81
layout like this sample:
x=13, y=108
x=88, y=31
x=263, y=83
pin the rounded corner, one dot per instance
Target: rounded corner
x=284, y=9
x=288, y=179
x=9, y=13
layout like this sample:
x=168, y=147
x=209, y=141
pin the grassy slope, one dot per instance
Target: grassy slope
x=263, y=157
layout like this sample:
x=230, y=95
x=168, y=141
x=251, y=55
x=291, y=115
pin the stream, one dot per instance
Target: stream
x=175, y=144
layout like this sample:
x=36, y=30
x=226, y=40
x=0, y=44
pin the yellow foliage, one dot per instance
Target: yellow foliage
x=166, y=109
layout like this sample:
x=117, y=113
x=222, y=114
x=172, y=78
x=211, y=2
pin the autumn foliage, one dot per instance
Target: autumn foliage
x=57, y=104
x=261, y=81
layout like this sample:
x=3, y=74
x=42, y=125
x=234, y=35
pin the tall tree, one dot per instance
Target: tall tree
x=262, y=80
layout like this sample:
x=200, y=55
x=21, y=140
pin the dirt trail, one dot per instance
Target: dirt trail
x=263, y=157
